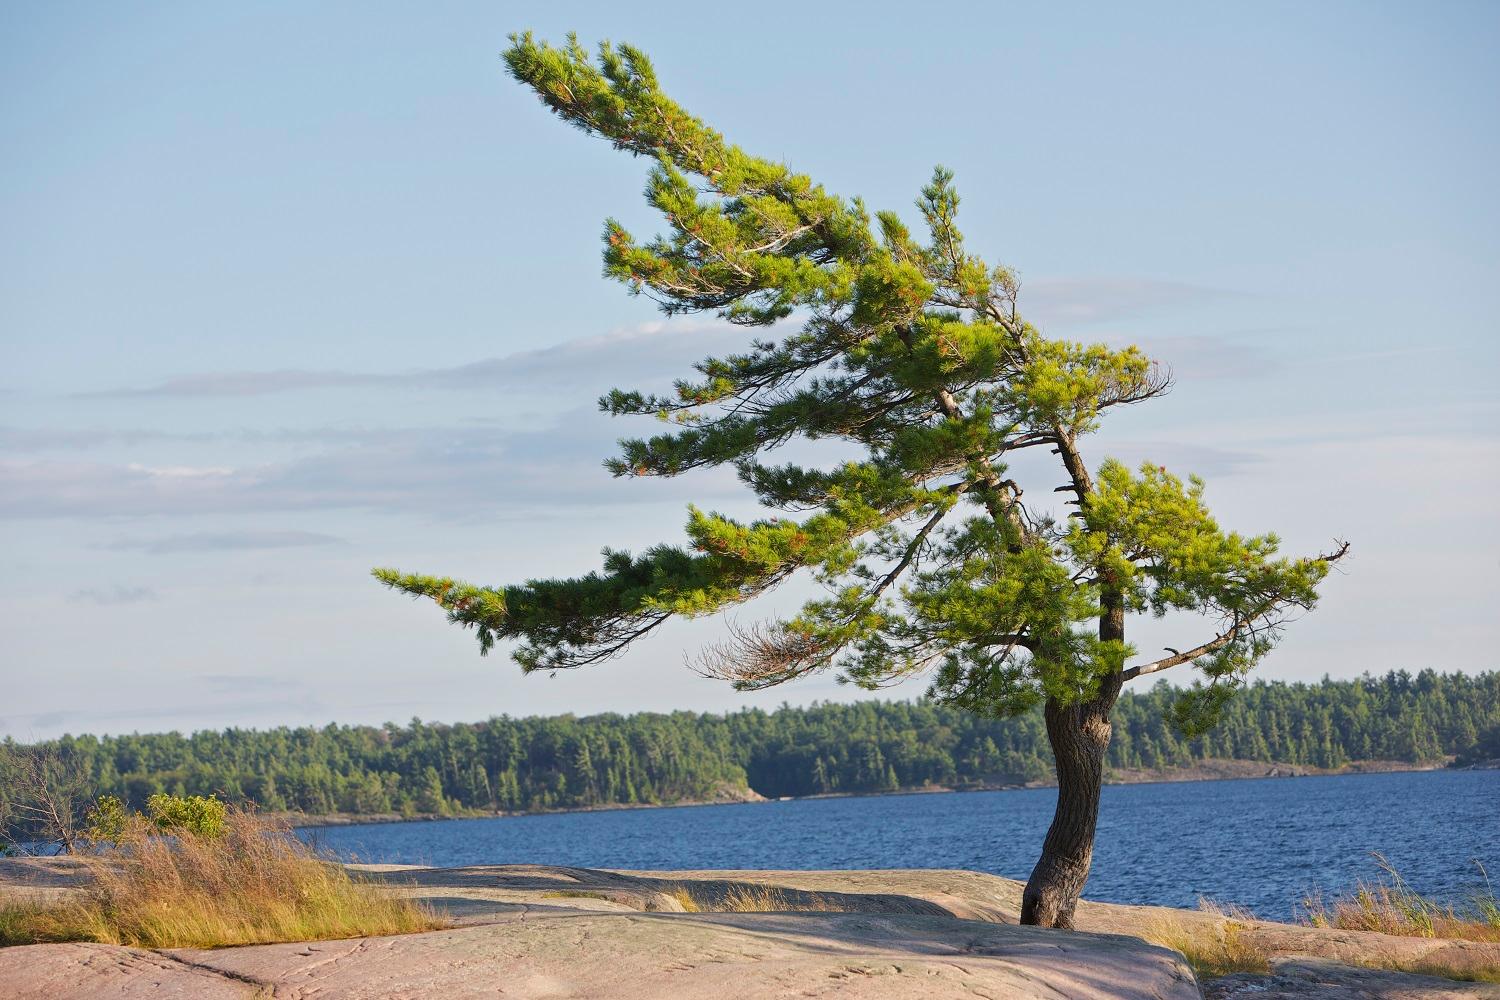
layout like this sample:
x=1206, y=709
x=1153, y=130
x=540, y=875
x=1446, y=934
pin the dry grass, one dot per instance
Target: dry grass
x=1212, y=949
x=748, y=898
x=685, y=899
x=1466, y=968
x=255, y=884
x=1227, y=911
x=1228, y=944
x=713, y=897
x=1391, y=906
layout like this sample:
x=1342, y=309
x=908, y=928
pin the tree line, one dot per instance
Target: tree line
x=649, y=758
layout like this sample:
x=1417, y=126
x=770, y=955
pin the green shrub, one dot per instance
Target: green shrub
x=107, y=821
x=196, y=814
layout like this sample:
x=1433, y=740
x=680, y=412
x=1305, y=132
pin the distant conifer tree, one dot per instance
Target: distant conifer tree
x=916, y=353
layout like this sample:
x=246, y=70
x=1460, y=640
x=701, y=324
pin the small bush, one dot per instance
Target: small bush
x=251, y=882
x=194, y=814
x=107, y=821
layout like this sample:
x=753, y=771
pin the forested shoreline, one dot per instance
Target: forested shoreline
x=564, y=762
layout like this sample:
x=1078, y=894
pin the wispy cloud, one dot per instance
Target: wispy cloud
x=224, y=541
x=117, y=594
x=652, y=350
x=1210, y=357
x=1103, y=298
x=245, y=683
x=19, y=439
x=449, y=472
x=1391, y=355
x=1183, y=457
x=292, y=704
x=644, y=351
x=251, y=383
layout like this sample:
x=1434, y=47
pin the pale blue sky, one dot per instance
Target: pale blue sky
x=290, y=290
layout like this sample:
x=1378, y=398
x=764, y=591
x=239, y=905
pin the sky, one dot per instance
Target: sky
x=288, y=291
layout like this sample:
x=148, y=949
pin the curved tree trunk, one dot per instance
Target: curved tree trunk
x=1079, y=734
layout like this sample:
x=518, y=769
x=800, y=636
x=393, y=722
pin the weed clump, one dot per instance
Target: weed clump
x=210, y=882
x=1392, y=906
x=749, y=898
x=1212, y=949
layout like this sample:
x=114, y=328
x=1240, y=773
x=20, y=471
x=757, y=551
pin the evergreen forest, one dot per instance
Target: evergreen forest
x=516, y=764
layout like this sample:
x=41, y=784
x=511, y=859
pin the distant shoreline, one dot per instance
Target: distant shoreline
x=1207, y=770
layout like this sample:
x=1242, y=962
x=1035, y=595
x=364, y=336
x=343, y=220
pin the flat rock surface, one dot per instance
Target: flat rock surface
x=630, y=956
x=660, y=956
x=41, y=878
x=1308, y=978
x=69, y=971
x=535, y=931
x=479, y=892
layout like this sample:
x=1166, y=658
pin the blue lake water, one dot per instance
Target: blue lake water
x=1261, y=843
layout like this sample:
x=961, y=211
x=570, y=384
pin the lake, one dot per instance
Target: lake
x=1262, y=843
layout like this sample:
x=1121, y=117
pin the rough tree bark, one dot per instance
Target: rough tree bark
x=1079, y=734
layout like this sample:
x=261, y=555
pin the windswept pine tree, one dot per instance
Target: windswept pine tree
x=912, y=349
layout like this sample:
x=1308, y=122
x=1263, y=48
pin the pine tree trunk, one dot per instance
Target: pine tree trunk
x=1079, y=734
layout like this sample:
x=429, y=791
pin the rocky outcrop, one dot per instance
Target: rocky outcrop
x=1321, y=979
x=475, y=892
x=557, y=933
x=539, y=931
x=67, y=971
x=537, y=952
x=535, y=932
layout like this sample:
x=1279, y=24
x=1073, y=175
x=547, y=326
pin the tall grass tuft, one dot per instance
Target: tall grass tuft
x=252, y=883
x=769, y=899
x=749, y=898
x=1392, y=906
x=1211, y=949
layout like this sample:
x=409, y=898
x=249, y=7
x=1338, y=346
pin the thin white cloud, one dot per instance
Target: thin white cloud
x=1184, y=457
x=644, y=351
x=100, y=723
x=250, y=383
x=1392, y=355
x=1063, y=302
x=238, y=684
x=1103, y=298
x=1210, y=357
x=28, y=439
x=648, y=350
x=224, y=541
x=448, y=472
x=118, y=594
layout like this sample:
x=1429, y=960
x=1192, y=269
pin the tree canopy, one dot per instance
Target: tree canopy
x=910, y=350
